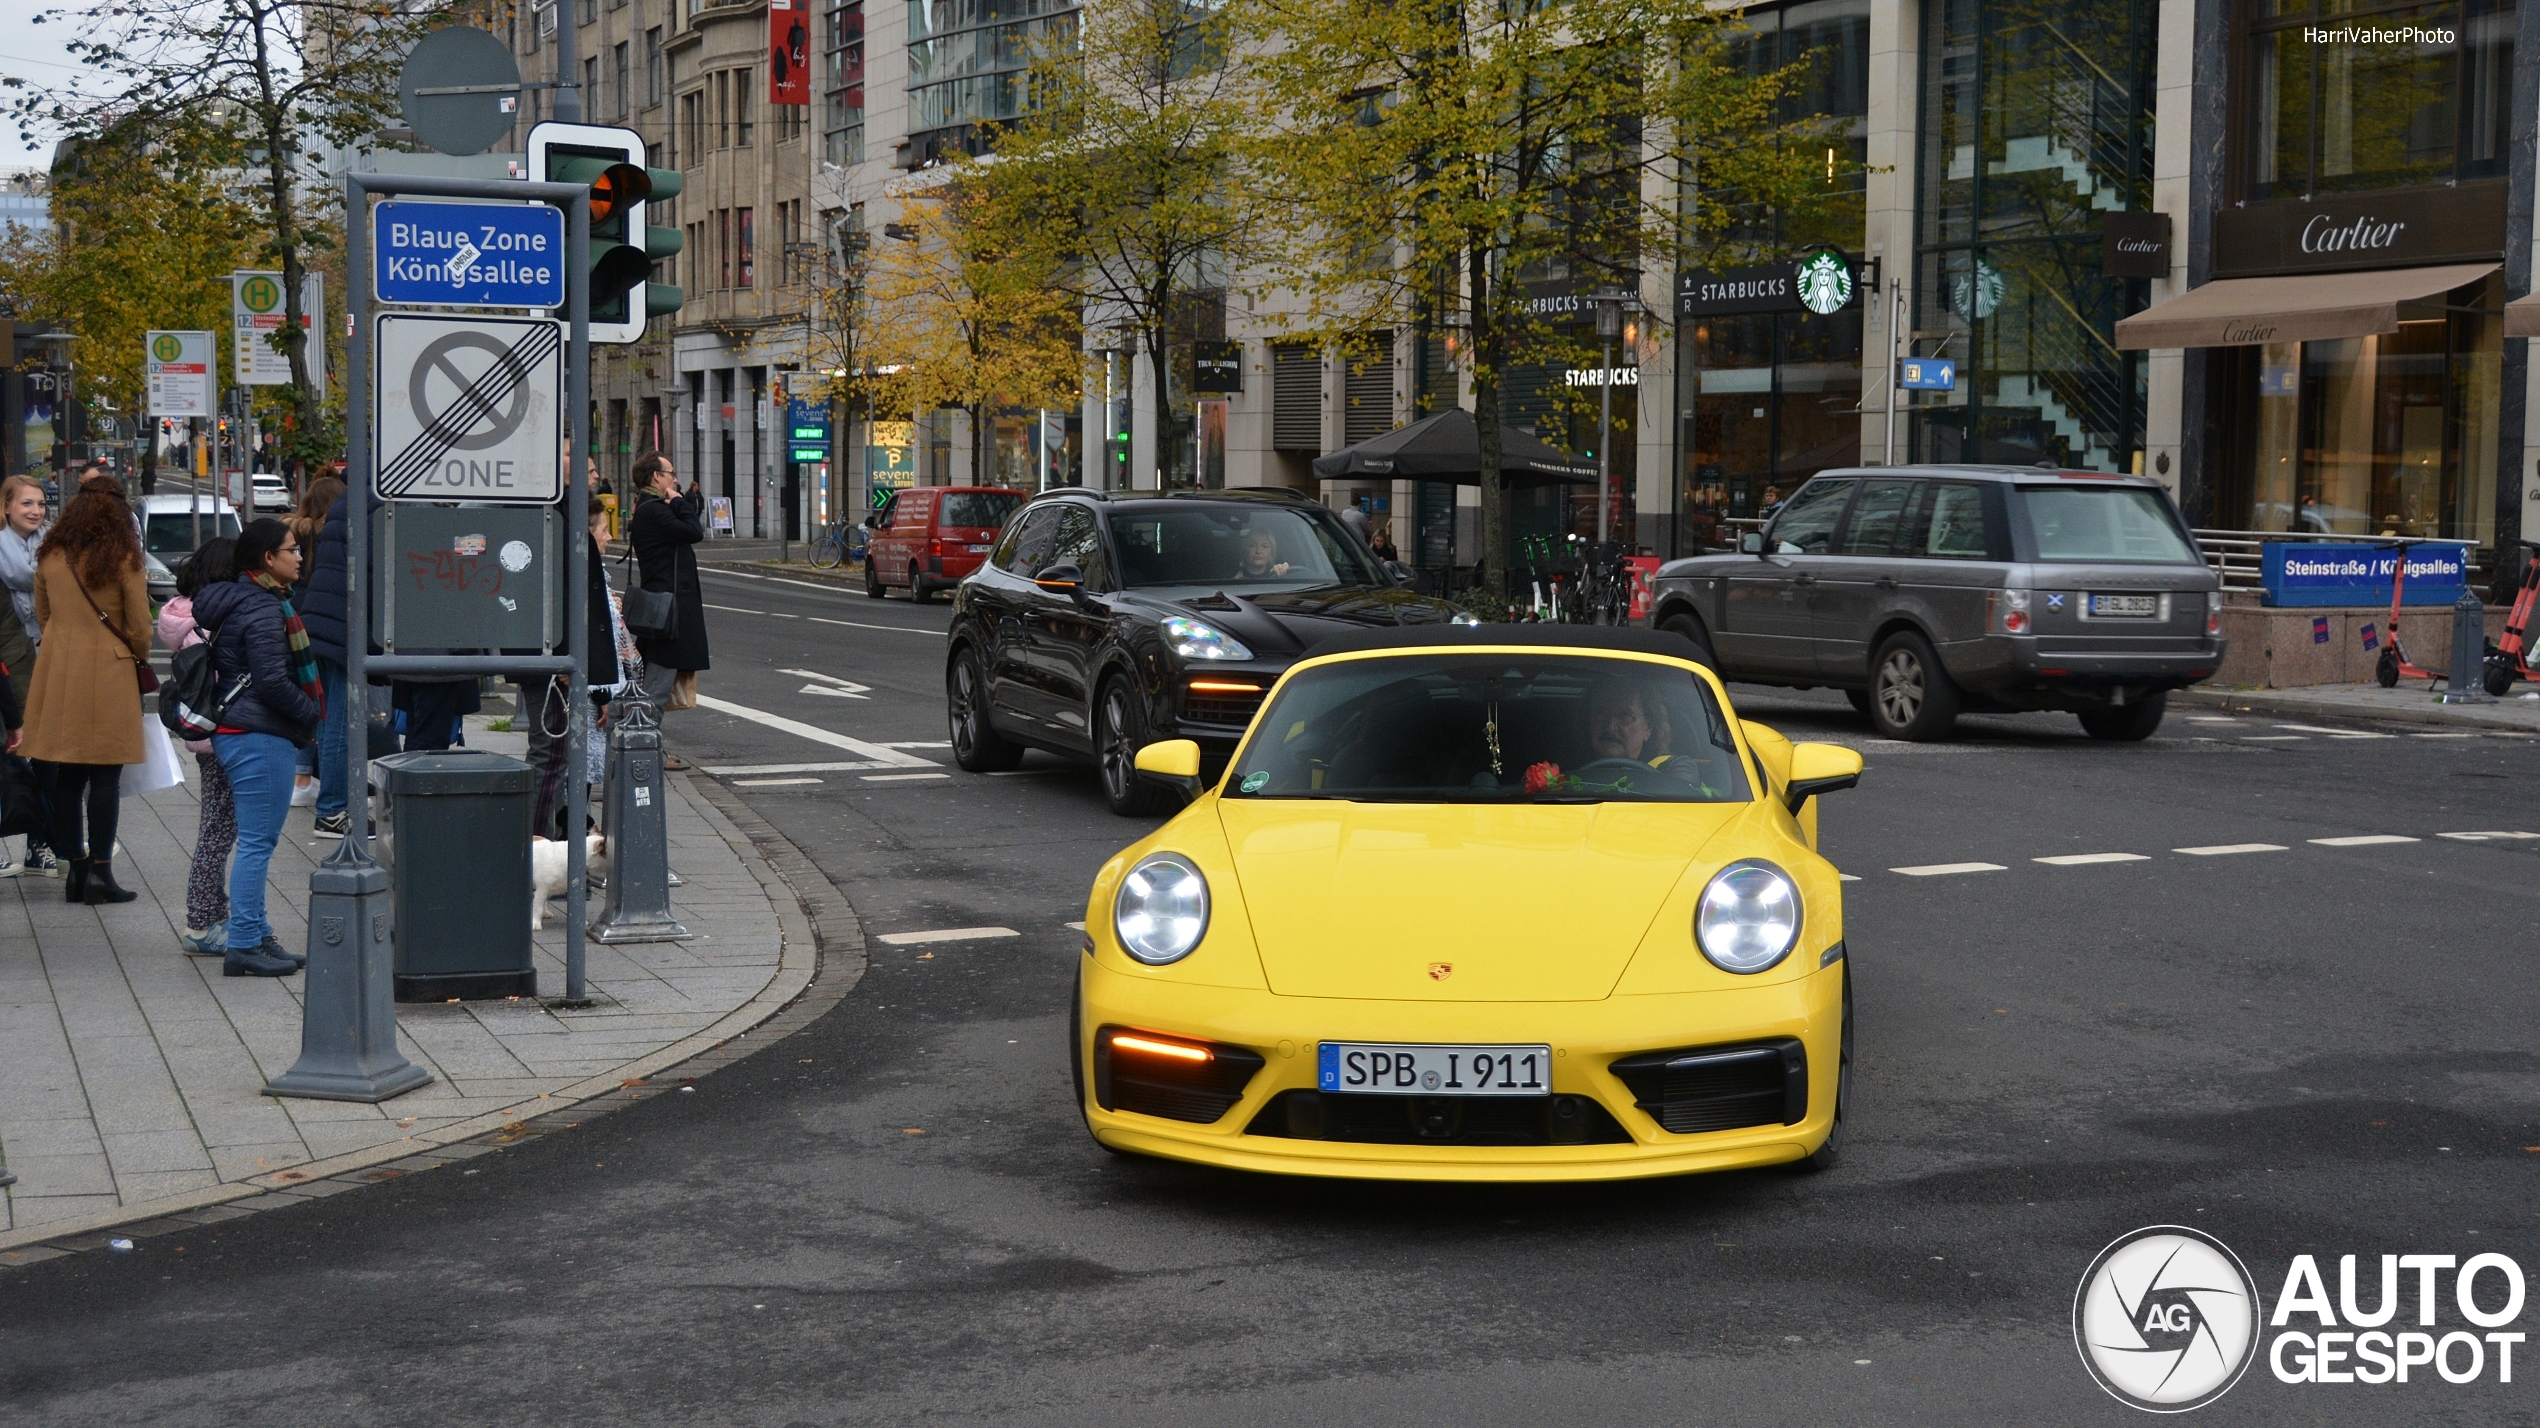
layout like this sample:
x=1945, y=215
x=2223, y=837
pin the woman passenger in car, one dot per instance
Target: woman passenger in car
x=1261, y=557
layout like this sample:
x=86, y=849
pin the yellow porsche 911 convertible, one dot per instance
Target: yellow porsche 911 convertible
x=1478, y=903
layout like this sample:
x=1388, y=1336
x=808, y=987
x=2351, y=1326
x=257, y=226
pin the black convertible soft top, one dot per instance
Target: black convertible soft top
x=1620, y=638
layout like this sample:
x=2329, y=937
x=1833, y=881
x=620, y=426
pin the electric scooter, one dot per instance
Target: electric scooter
x=2394, y=664
x=2510, y=659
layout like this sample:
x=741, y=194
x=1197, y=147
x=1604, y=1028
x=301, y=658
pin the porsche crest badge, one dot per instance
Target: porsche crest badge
x=1440, y=971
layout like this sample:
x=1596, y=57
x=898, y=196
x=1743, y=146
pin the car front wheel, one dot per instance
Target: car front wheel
x=1120, y=730
x=1691, y=629
x=1911, y=696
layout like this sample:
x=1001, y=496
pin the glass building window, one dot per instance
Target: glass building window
x=2343, y=96
x=2037, y=121
x=968, y=61
x=842, y=103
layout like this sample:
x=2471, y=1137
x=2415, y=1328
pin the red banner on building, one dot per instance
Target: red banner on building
x=789, y=51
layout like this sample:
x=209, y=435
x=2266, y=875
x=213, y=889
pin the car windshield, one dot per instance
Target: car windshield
x=978, y=508
x=2125, y=525
x=166, y=533
x=1481, y=728
x=1234, y=546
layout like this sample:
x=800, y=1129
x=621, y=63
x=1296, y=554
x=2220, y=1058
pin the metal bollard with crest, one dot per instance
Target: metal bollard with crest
x=635, y=807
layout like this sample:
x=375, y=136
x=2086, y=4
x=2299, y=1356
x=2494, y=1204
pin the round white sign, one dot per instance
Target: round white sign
x=2166, y=1319
x=515, y=556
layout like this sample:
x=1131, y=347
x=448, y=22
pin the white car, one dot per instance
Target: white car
x=269, y=493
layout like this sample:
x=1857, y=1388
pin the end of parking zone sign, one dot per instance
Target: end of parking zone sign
x=468, y=409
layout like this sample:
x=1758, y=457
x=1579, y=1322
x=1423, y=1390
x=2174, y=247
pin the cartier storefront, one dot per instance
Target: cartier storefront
x=2354, y=317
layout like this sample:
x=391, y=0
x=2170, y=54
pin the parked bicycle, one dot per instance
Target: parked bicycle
x=829, y=546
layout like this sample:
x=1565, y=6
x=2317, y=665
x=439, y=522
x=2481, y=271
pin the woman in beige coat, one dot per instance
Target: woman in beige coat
x=83, y=713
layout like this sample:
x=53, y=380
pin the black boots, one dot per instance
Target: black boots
x=74, y=880
x=99, y=887
x=269, y=960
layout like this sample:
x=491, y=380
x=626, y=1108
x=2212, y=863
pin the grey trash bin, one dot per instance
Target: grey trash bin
x=454, y=828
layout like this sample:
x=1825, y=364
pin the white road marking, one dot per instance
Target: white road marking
x=2209, y=719
x=732, y=609
x=2275, y=738
x=2334, y=733
x=859, y=625
x=881, y=757
x=847, y=687
x=2076, y=860
x=1934, y=870
x=914, y=744
x=2443, y=736
x=903, y=778
x=2217, y=850
x=771, y=782
x=947, y=934
x=1074, y=926
x=1847, y=877
x=829, y=690
x=2490, y=836
x=2364, y=840
x=725, y=770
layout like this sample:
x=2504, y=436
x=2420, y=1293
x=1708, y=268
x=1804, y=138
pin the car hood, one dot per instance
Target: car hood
x=1287, y=623
x=1457, y=902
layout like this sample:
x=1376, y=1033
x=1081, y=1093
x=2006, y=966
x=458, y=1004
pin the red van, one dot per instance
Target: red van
x=929, y=537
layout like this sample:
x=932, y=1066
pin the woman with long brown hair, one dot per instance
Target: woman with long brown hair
x=306, y=522
x=84, y=704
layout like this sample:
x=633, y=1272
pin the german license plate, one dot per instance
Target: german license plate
x=980, y=549
x=1396, y=1070
x=2140, y=607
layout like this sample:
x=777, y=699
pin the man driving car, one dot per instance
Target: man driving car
x=1622, y=723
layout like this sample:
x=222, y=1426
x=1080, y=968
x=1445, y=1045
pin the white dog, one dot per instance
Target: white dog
x=546, y=871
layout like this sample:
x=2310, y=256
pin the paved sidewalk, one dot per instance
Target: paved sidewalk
x=131, y=1074
x=2410, y=703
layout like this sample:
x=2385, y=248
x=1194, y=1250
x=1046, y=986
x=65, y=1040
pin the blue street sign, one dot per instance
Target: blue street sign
x=1927, y=374
x=806, y=430
x=469, y=254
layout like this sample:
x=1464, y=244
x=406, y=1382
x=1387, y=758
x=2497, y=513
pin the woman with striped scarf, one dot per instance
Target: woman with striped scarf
x=257, y=743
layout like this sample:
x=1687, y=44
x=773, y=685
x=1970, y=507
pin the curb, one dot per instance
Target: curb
x=2276, y=701
x=822, y=961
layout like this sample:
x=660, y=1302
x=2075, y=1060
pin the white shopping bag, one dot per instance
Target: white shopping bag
x=159, y=767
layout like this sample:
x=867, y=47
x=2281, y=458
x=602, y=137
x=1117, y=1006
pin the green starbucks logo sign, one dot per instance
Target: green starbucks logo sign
x=166, y=348
x=1824, y=281
x=260, y=295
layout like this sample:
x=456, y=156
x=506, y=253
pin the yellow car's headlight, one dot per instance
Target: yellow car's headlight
x=1749, y=918
x=1162, y=909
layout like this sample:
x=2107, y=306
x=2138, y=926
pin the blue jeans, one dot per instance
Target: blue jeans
x=334, y=775
x=259, y=767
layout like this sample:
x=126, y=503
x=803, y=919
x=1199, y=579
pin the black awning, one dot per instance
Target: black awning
x=1448, y=447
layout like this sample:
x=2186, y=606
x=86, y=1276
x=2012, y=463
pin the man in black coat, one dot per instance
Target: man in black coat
x=664, y=534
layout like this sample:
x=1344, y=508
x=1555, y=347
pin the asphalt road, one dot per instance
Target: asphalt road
x=894, y=1216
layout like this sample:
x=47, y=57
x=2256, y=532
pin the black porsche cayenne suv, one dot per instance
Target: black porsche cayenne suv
x=1101, y=623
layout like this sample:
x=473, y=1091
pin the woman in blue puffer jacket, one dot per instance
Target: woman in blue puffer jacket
x=260, y=736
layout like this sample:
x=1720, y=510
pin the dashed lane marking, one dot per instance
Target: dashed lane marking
x=881, y=757
x=914, y=744
x=731, y=609
x=1847, y=877
x=772, y=782
x=728, y=770
x=904, y=778
x=1073, y=926
x=2364, y=840
x=1936, y=870
x=2490, y=836
x=947, y=934
x=2335, y=733
x=2218, y=850
x=2274, y=738
x=2443, y=736
x=860, y=625
x=2076, y=860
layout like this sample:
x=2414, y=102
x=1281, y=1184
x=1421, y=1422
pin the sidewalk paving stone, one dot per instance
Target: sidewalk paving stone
x=133, y=1074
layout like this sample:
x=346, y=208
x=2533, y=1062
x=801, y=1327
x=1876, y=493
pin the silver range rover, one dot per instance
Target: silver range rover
x=1925, y=591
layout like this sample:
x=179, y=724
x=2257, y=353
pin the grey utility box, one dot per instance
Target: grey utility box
x=454, y=828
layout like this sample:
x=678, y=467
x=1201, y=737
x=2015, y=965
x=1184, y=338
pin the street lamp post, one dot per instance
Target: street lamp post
x=1609, y=325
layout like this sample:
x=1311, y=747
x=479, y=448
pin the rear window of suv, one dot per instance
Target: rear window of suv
x=2114, y=525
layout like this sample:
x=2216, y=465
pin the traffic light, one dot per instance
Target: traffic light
x=623, y=247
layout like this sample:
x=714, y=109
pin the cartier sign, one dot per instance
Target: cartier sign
x=2395, y=228
x=2134, y=244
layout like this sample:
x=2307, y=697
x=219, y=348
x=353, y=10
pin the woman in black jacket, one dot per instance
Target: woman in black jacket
x=664, y=534
x=260, y=736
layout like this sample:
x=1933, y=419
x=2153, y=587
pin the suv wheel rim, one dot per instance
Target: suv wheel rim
x=1901, y=687
x=965, y=706
x=1119, y=760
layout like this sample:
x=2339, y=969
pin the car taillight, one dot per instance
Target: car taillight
x=2213, y=616
x=2014, y=607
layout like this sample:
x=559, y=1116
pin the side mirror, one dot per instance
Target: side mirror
x=1820, y=768
x=1750, y=542
x=1173, y=763
x=1060, y=579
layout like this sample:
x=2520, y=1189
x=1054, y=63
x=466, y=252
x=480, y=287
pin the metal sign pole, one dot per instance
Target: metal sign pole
x=577, y=395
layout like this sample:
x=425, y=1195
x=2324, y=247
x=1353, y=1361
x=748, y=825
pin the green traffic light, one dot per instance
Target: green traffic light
x=662, y=299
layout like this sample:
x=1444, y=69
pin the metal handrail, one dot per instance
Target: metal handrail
x=2239, y=557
